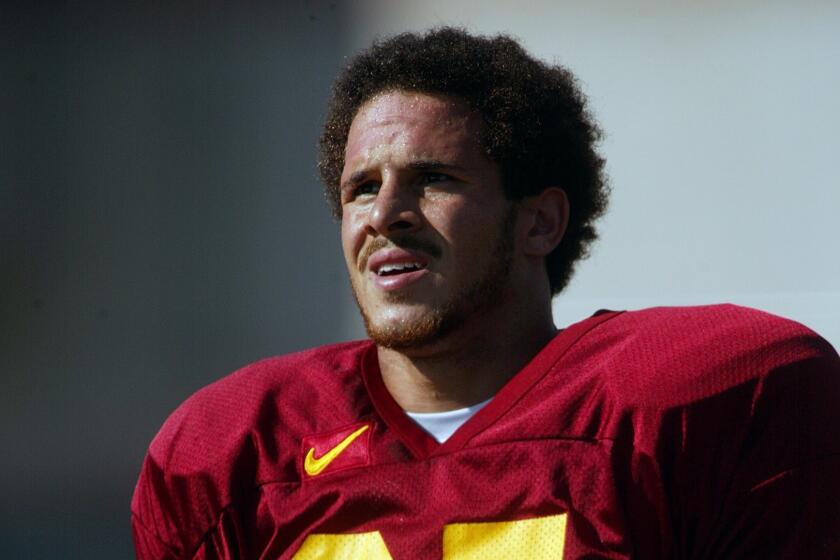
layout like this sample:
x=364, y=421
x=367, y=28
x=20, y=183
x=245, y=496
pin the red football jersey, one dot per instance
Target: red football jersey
x=709, y=432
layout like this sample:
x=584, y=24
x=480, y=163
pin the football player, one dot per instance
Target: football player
x=466, y=180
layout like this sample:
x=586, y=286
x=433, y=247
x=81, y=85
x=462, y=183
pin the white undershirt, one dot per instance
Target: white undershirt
x=441, y=425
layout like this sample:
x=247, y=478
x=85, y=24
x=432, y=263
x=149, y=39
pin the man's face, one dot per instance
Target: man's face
x=426, y=230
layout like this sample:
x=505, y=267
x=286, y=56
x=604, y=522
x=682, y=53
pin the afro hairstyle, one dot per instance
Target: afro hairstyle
x=536, y=124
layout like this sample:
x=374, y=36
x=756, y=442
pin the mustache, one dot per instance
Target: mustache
x=402, y=242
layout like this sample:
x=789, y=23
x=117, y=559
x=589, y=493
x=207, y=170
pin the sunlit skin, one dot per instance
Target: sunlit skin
x=423, y=213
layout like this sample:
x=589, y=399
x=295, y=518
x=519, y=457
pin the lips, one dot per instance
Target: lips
x=395, y=268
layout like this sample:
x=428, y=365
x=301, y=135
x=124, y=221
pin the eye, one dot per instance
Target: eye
x=371, y=187
x=431, y=177
x=361, y=189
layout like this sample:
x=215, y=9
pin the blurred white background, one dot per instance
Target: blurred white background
x=722, y=126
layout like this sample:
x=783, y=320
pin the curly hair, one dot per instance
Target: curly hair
x=536, y=124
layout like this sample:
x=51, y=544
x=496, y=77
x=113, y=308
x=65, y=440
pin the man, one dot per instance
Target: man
x=465, y=177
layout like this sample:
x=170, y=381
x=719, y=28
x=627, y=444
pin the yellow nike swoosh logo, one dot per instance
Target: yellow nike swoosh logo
x=314, y=466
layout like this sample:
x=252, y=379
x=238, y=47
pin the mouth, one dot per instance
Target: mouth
x=394, y=268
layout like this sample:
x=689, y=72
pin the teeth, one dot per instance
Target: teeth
x=389, y=268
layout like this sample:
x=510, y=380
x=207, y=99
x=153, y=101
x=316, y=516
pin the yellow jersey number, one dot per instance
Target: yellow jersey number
x=538, y=538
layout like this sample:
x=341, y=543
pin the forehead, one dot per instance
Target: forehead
x=407, y=106
x=401, y=124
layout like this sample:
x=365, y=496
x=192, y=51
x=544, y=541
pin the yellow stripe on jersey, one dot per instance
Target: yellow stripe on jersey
x=344, y=547
x=535, y=539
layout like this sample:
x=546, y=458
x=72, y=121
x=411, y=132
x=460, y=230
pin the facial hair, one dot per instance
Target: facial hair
x=471, y=301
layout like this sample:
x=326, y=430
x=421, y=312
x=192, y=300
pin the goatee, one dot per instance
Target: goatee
x=472, y=301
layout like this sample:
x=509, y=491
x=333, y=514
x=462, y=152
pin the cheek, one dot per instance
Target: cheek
x=352, y=235
x=346, y=243
x=466, y=226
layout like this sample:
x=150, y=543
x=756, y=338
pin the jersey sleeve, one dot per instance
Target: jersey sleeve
x=203, y=460
x=759, y=474
x=147, y=544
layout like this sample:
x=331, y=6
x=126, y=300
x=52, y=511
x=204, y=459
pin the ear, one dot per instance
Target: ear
x=547, y=217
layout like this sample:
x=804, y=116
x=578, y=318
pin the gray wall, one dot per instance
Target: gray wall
x=161, y=224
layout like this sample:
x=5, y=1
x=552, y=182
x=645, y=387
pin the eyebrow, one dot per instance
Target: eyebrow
x=418, y=165
x=354, y=178
x=431, y=165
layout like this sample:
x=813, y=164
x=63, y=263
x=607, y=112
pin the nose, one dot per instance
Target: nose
x=395, y=209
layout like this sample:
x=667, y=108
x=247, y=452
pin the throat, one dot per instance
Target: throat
x=464, y=369
x=440, y=383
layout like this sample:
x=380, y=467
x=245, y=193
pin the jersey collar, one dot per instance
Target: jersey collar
x=420, y=443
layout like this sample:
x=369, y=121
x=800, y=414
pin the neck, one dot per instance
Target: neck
x=468, y=366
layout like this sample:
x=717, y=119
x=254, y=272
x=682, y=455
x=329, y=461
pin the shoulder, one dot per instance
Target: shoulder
x=239, y=402
x=675, y=355
x=717, y=320
x=736, y=411
x=236, y=433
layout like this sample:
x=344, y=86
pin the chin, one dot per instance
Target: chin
x=413, y=329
